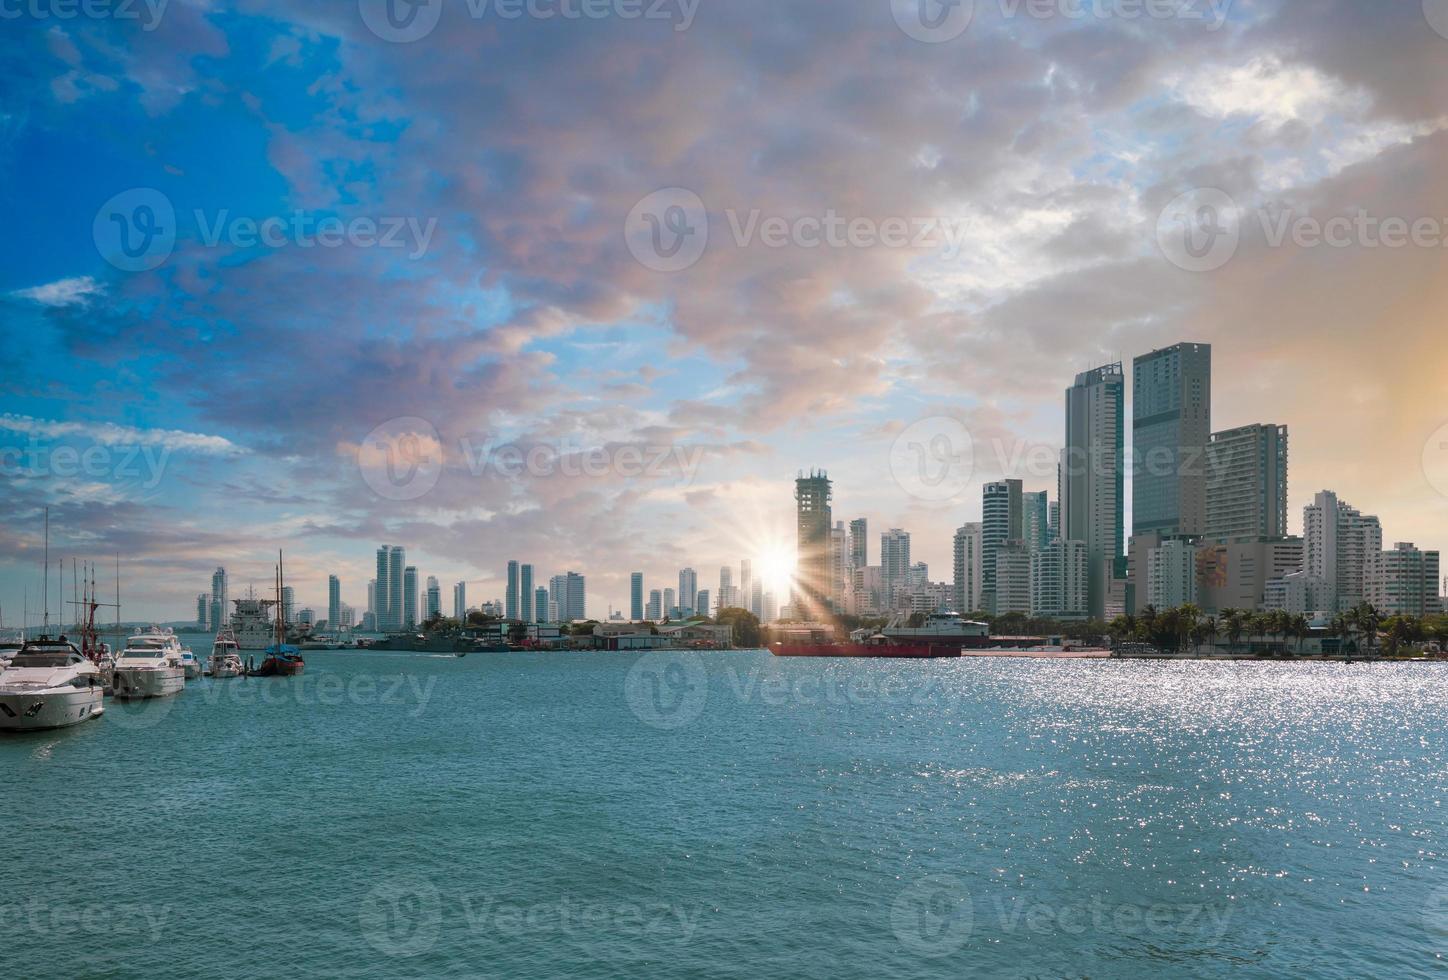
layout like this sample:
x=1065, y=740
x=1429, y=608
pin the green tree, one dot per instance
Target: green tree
x=746, y=626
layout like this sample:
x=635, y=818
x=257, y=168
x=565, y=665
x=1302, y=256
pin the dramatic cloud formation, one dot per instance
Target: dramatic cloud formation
x=268, y=229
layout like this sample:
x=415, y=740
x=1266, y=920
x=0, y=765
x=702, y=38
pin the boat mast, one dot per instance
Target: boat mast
x=46, y=589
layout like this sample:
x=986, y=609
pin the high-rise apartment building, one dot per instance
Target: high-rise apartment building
x=220, y=607
x=894, y=566
x=1059, y=580
x=203, y=612
x=409, y=597
x=968, y=569
x=701, y=603
x=746, y=586
x=460, y=601
x=1237, y=573
x=812, y=564
x=387, y=594
x=1171, y=574
x=1091, y=481
x=1342, y=547
x=434, y=599
x=688, y=591
x=544, y=610
x=1001, y=523
x=1035, y=520
x=334, y=601
x=636, y=596
x=1405, y=582
x=289, y=604
x=511, y=605
x=1012, y=579
x=839, y=565
x=567, y=590
x=671, y=604
x=655, y=610
x=525, y=594
x=1171, y=430
x=1247, y=483
x=859, y=543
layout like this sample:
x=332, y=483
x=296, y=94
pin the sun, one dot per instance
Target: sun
x=776, y=567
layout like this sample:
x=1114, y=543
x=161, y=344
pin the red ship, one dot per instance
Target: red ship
x=881, y=650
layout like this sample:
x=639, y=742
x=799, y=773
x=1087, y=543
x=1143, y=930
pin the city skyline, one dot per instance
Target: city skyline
x=525, y=322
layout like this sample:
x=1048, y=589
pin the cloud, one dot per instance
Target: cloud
x=110, y=434
x=77, y=291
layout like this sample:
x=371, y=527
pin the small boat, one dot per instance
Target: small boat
x=150, y=666
x=49, y=684
x=10, y=645
x=225, y=660
x=190, y=665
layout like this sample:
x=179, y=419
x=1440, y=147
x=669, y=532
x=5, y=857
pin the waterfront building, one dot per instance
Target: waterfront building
x=1236, y=574
x=460, y=601
x=334, y=600
x=1342, y=547
x=770, y=608
x=1091, y=481
x=671, y=604
x=369, y=622
x=372, y=596
x=1001, y=524
x=434, y=598
x=931, y=597
x=203, y=612
x=510, y=594
x=544, y=610
x=966, y=596
x=688, y=591
x=568, y=591
x=525, y=593
x=1405, y=582
x=728, y=595
x=1035, y=520
x=1171, y=430
x=866, y=588
x=306, y=617
x=1059, y=581
x=1012, y=579
x=1300, y=594
x=1247, y=483
x=701, y=603
x=409, y=597
x=387, y=595
x=289, y=601
x=636, y=596
x=220, y=613
x=655, y=611
x=859, y=543
x=839, y=565
x=1171, y=573
x=756, y=599
x=894, y=566
x=746, y=586
x=813, y=532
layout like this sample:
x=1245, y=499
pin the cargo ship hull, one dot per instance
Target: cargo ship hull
x=878, y=651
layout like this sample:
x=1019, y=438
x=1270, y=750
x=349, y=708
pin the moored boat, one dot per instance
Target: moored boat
x=225, y=660
x=190, y=665
x=150, y=666
x=282, y=660
x=888, y=651
x=49, y=684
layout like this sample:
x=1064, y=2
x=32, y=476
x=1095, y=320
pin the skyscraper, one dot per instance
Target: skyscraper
x=567, y=590
x=894, y=565
x=688, y=590
x=525, y=593
x=726, y=588
x=671, y=604
x=541, y=611
x=510, y=596
x=1171, y=429
x=812, y=566
x=655, y=611
x=388, y=592
x=1341, y=548
x=1035, y=520
x=701, y=600
x=203, y=612
x=859, y=543
x=1247, y=482
x=434, y=598
x=839, y=565
x=289, y=603
x=334, y=601
x=1092, y=486
x=636, y=596
x=756, y=599
x=1405, y=582
x=220, y=611
x=967, y=569
x=1059, y=580
x=409, y=597
x=1001, y=524
x=460, y=601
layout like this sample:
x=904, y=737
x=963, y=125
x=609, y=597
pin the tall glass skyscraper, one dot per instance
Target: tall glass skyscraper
x=525, y=595
x=510, y=598
x=688, y=590
x=636, y=596
x=1001, y=522
x=812, y=564
x=1247, y=482
x=1171, y=428
x=1092, y=477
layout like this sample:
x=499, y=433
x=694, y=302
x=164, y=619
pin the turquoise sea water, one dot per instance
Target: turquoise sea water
x=734, y=815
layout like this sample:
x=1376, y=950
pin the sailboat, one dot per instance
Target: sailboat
x=281, y=660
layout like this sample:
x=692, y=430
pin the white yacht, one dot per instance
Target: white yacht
x=225, y=656
x=49, y=684
x=150, y=666
x=190, y=664
x=9, y=646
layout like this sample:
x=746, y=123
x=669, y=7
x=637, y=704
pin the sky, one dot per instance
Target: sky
x=588, y=284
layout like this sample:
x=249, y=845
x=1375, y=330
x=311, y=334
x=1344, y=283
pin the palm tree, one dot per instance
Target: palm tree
x=1188, y=616
x=1210, y=628
x=1301, y=629
x=1232, y=623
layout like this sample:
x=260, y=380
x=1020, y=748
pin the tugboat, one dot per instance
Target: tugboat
x=281, y=660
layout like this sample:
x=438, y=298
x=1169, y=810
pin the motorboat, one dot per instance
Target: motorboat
x=9, y=646
x=225, y=660
x=190, y=665
x=150, y=666
x=49, y=684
